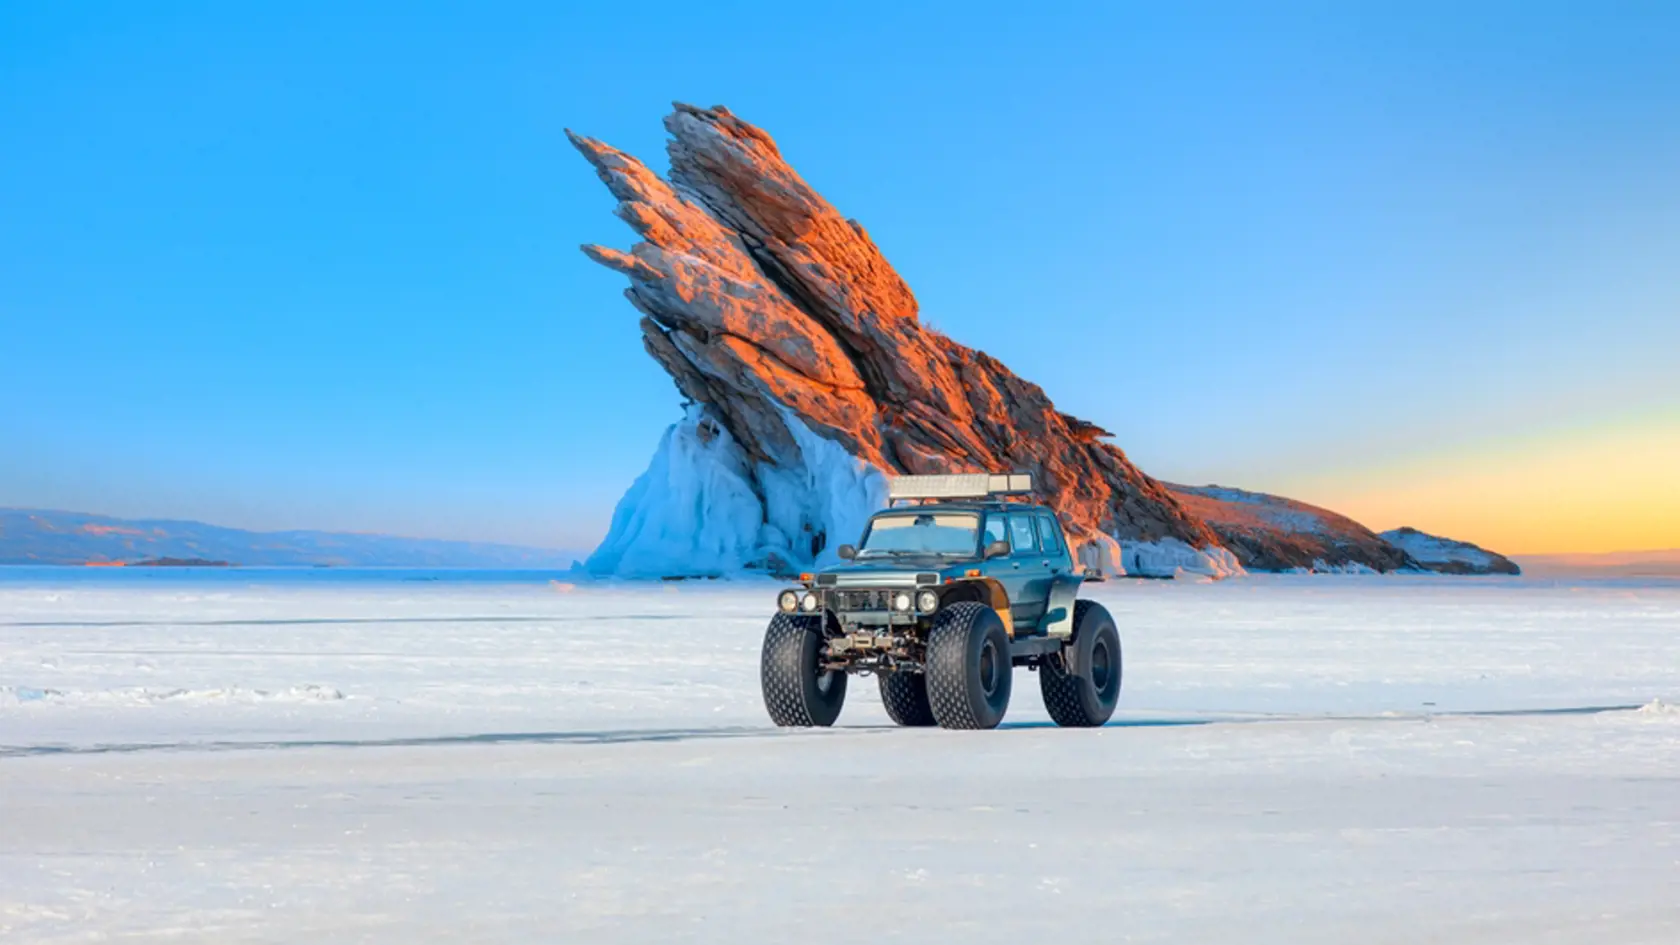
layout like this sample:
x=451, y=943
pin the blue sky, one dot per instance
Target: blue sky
x=315, y=264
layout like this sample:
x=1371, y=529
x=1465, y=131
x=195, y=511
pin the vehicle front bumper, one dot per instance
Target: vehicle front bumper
x=868, y=599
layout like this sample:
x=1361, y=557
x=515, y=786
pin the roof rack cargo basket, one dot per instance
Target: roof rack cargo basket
x=960, y=486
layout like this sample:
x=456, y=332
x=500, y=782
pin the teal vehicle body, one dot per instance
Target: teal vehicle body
x=1015, y=559
x=941, y=600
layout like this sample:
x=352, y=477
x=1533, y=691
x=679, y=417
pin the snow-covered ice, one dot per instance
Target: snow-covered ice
x=1296, y=759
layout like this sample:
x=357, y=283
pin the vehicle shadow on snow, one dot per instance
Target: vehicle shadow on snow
x=1119, y=723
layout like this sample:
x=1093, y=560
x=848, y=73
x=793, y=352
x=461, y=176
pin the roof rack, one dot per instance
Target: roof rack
x=960, y=486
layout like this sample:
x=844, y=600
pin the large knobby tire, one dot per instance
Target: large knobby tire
x=1082, y=688
x=797, y=691
x=905, y=696
x=968, y=667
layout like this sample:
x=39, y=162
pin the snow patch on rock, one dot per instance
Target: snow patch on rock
x=1272, y=510
x=705, y=508
x=1429, y=549
x=1445, y=554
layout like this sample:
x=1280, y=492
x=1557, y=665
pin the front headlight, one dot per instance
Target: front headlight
x=808, y=603
x=901, y=600
x=787, y=601
x=927, y=601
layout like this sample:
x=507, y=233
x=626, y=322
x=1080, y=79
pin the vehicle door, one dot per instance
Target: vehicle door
x=1002, y=570
x=1060, y=583
x=1057, y=558
x=1030, y=570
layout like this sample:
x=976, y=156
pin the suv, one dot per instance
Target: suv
x=953, y=585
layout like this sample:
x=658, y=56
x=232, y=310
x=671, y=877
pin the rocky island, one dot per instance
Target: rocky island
x=808, y=378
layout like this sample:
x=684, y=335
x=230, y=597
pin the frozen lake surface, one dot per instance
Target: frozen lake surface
x=274, y=757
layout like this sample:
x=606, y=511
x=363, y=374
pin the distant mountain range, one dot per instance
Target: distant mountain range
x=40, y=536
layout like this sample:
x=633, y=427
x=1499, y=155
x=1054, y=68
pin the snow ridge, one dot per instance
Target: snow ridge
x=146, y=695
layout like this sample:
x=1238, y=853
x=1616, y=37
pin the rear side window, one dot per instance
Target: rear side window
x=1021, y=533
x=1049, y=535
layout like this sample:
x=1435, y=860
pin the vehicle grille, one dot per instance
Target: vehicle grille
x=846, y=600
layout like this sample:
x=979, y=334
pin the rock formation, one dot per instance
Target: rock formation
x=1272, y=533
x=809, y=378
x=1447, y=556
x=775, y=312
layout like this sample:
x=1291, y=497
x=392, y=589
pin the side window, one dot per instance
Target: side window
x=996, y=529
x=1049, y=534
x=1021, y=533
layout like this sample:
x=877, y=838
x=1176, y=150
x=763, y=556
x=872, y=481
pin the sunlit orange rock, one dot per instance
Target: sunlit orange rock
x=767, y=306
x=757, y=295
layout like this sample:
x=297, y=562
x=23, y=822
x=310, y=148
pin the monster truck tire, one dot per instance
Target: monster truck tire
x=1082, y=686
x=905, y=697
x=796, y=689
x=968, y=667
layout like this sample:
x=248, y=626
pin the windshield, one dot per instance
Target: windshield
x=942, y=533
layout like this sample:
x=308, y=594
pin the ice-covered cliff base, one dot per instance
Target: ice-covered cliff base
x=704, y=508
x=1170, y=557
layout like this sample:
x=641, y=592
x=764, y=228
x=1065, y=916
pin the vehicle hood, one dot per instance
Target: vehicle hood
x=889, y=567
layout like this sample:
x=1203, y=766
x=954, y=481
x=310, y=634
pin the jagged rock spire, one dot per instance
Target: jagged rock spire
x=761, y=300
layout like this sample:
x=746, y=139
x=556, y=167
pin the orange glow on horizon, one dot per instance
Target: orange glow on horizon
x=1614, y=487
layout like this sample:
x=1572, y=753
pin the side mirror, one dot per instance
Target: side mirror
x=997, y=549
x=846, y=552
